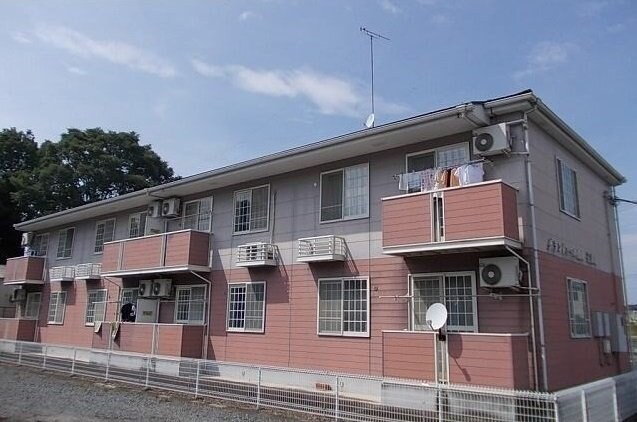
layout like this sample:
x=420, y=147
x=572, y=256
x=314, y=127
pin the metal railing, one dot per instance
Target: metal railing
x=88, y=270
x=331, y=247
x=61, y=273
x=339, y=396
x=256, y=252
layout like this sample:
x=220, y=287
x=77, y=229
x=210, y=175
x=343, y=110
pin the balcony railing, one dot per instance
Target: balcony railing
x=180, y=251
x=256, y=255
x=88, y=271
x=24, y=270
x=482, y=215
x=322, y=248
x=63, y=273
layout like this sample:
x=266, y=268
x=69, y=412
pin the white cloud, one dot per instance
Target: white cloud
x=20, y=37
x=116, y=52
x=546, y=56
x=331, y=95
x=439, y=19
x=390, y=7
x=76, y=70
x=589, y=9
x=247, y=14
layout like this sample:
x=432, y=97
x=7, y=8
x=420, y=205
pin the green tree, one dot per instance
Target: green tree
x=84, y=166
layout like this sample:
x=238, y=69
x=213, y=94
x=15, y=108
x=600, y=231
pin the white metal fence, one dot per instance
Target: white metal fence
x=339, y=396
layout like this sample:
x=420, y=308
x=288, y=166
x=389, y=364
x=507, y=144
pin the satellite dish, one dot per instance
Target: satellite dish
x=369, y=123
x=436, y=316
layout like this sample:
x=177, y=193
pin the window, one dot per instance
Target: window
x=345, y=193
x=65, y=242
x=455, y=290
x=567, y=182
x=198, y=215
x=129, y=295
x=40, y=244
x=452, y=155
x=104, y=232
x=246, y=306
x=578, y=315
x=57, y=303
x=137, y=224
x=343, y=307
x=190, y=304
x=251, y=208
x=95, y=306
x=32, y=306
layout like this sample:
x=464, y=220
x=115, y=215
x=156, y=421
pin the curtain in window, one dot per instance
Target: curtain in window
x=330, y=307
x=356, y=191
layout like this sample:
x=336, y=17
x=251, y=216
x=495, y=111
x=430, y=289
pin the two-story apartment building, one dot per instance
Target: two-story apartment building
x=328, y=256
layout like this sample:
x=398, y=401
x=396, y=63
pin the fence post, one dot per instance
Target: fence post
x=583, y=400
x=73, y=361
x=259, y=389
x=615, y=404
x=556, y=409
x=197, y=380
x=147, y=371
x=108, y=366
x=336, y=410
x=44, y=349
x=20, y=353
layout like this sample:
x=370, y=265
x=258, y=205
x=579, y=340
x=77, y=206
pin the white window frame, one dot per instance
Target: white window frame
x=265, y=301
x=128, y=289
x=205, y=305
x=65, y=231
x=60, y=307
x=24, y=311
x=571, y=321
x=442, y=287
x=45, y=244
x=199, y=213
x=101, y=245
x=343, y=333
x=88, y=306
x=234, y=210
x=352, y=217
x=142, y=230
x=561, y=165
x=466, y=146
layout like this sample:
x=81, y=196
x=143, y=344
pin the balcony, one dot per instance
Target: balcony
x=25, y=270
x=88, y=271
x=256, y=255
x=65, y=273
x=322, y=249
x=20, y=329
x=173, y=252
x=459, y=219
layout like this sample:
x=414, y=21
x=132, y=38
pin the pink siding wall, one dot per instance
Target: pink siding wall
x=17, y=329
x=24, y=268
x=575, y=361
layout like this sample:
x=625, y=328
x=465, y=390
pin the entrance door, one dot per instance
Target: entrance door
x=147, y=310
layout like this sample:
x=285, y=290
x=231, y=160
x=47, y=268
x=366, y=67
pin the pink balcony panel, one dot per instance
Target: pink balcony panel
x=24, y=270
x=17, y=329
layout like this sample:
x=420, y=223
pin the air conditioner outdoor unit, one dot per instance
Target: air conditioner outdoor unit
x=26, y=239
x=154, y=209
x=170, y=207
x=145, y=288
x=499, y=272
x=162, y=287
x=18, y=295
x=491, y=140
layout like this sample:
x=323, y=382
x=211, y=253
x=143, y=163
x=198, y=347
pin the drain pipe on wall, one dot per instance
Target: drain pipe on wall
x=532, y=316
x=536, y=256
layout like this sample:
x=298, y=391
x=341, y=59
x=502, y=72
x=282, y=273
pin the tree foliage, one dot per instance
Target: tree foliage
x=83, y=166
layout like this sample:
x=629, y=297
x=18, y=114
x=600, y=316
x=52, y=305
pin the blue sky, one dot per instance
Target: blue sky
x=209, y=83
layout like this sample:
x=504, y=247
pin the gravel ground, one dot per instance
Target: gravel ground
x=28, y=394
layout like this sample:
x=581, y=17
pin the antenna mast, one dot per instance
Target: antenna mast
x=372, y=36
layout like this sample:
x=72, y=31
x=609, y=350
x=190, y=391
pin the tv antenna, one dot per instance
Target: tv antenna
x=372, y=36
